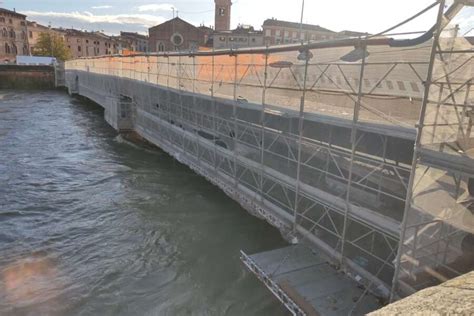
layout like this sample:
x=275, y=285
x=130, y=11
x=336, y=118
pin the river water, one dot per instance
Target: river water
x=93, y=225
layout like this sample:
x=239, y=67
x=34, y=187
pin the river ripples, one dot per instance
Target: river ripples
x=93, y=225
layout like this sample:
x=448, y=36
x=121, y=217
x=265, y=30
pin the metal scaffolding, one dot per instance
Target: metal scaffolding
x=437, y=236
x=319, y=139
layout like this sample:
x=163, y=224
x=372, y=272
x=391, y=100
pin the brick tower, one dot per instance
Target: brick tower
x=222, y=15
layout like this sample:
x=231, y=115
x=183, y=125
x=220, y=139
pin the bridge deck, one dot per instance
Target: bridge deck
x=306, y=284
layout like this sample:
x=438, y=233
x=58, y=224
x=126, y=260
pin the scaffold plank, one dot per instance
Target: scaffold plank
x=306, y=284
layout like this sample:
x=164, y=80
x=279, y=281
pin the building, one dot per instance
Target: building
x=346, y=33
x=136, y=42
x=84, y=44
x=208, y=35
x=34, y=31
x=278, y=32
x=175, y=34
x=13, y=35
x=222, y=15
x=242, y=36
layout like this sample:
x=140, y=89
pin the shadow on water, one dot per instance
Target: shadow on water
x=93, y=225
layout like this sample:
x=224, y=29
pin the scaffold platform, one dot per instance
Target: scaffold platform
x=307, y=284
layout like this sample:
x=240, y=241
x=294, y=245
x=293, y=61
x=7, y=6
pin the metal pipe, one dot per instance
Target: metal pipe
x=307, y=55
x=262, y=128
x=355, y=120
x=409, y=196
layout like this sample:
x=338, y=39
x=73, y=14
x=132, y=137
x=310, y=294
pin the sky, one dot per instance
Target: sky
x=113, y=16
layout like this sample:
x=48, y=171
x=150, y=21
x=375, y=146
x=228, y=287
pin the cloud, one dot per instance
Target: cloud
x=156, y=7
x=102, y=7
x=144, y=20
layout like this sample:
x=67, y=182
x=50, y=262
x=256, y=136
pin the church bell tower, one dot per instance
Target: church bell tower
x=222, y=15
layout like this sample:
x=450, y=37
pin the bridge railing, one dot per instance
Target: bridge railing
x=389, y=88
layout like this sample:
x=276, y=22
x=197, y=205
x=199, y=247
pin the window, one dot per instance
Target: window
x=161, y=47
x=287, y=34
x=25, y=50
x=277, y=33
x=221, y=11
x=31, y=34
x=401, y=85
x=10, y=21
x=231, y=39
x=14, y=49
x=2, y=19
x=4, y=32
x=12, y=33
x=295, y=34
x=222, y=38
x=78, y=40
x=268, y=32
x=414, y=86
x=79, y=48
x=23, y=35
x=7, y=49
x=22, y=23
x=87, y=41
x=253, y=39
x=177, y=39
x=389, y=84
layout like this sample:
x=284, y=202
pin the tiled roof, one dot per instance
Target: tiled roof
x=133, y=34
x=295, y=25
x=2, y=10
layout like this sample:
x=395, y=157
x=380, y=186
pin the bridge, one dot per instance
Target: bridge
x=318, y=139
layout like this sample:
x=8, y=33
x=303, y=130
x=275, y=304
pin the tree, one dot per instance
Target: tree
x=50, y=44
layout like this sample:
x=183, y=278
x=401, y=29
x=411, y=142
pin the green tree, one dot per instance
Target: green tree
x=50, y=44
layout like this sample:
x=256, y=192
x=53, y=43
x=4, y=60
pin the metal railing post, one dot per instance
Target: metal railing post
x=262, y=127
x=307, y=56
x=409, y=196
x=234, y=117
x=354, y=142
x=214, y=112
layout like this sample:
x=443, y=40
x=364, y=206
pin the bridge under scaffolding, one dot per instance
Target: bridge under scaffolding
x=322, y=141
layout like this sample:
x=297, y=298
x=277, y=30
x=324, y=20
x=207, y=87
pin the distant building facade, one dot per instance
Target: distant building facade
x=136, y=42
x=222, y=15
x=347, y=33
x=208, y=35
x=242, y=36
x=84, y=44
x=278, y=32
x=174, y=35
x=13, y=35
x=34, y=32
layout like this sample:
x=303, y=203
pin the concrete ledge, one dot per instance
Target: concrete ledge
x=453, y=297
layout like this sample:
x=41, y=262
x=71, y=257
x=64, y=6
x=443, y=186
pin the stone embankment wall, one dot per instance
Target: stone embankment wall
x=26, y=77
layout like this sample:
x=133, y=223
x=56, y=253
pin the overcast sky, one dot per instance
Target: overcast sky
x=112, y=16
